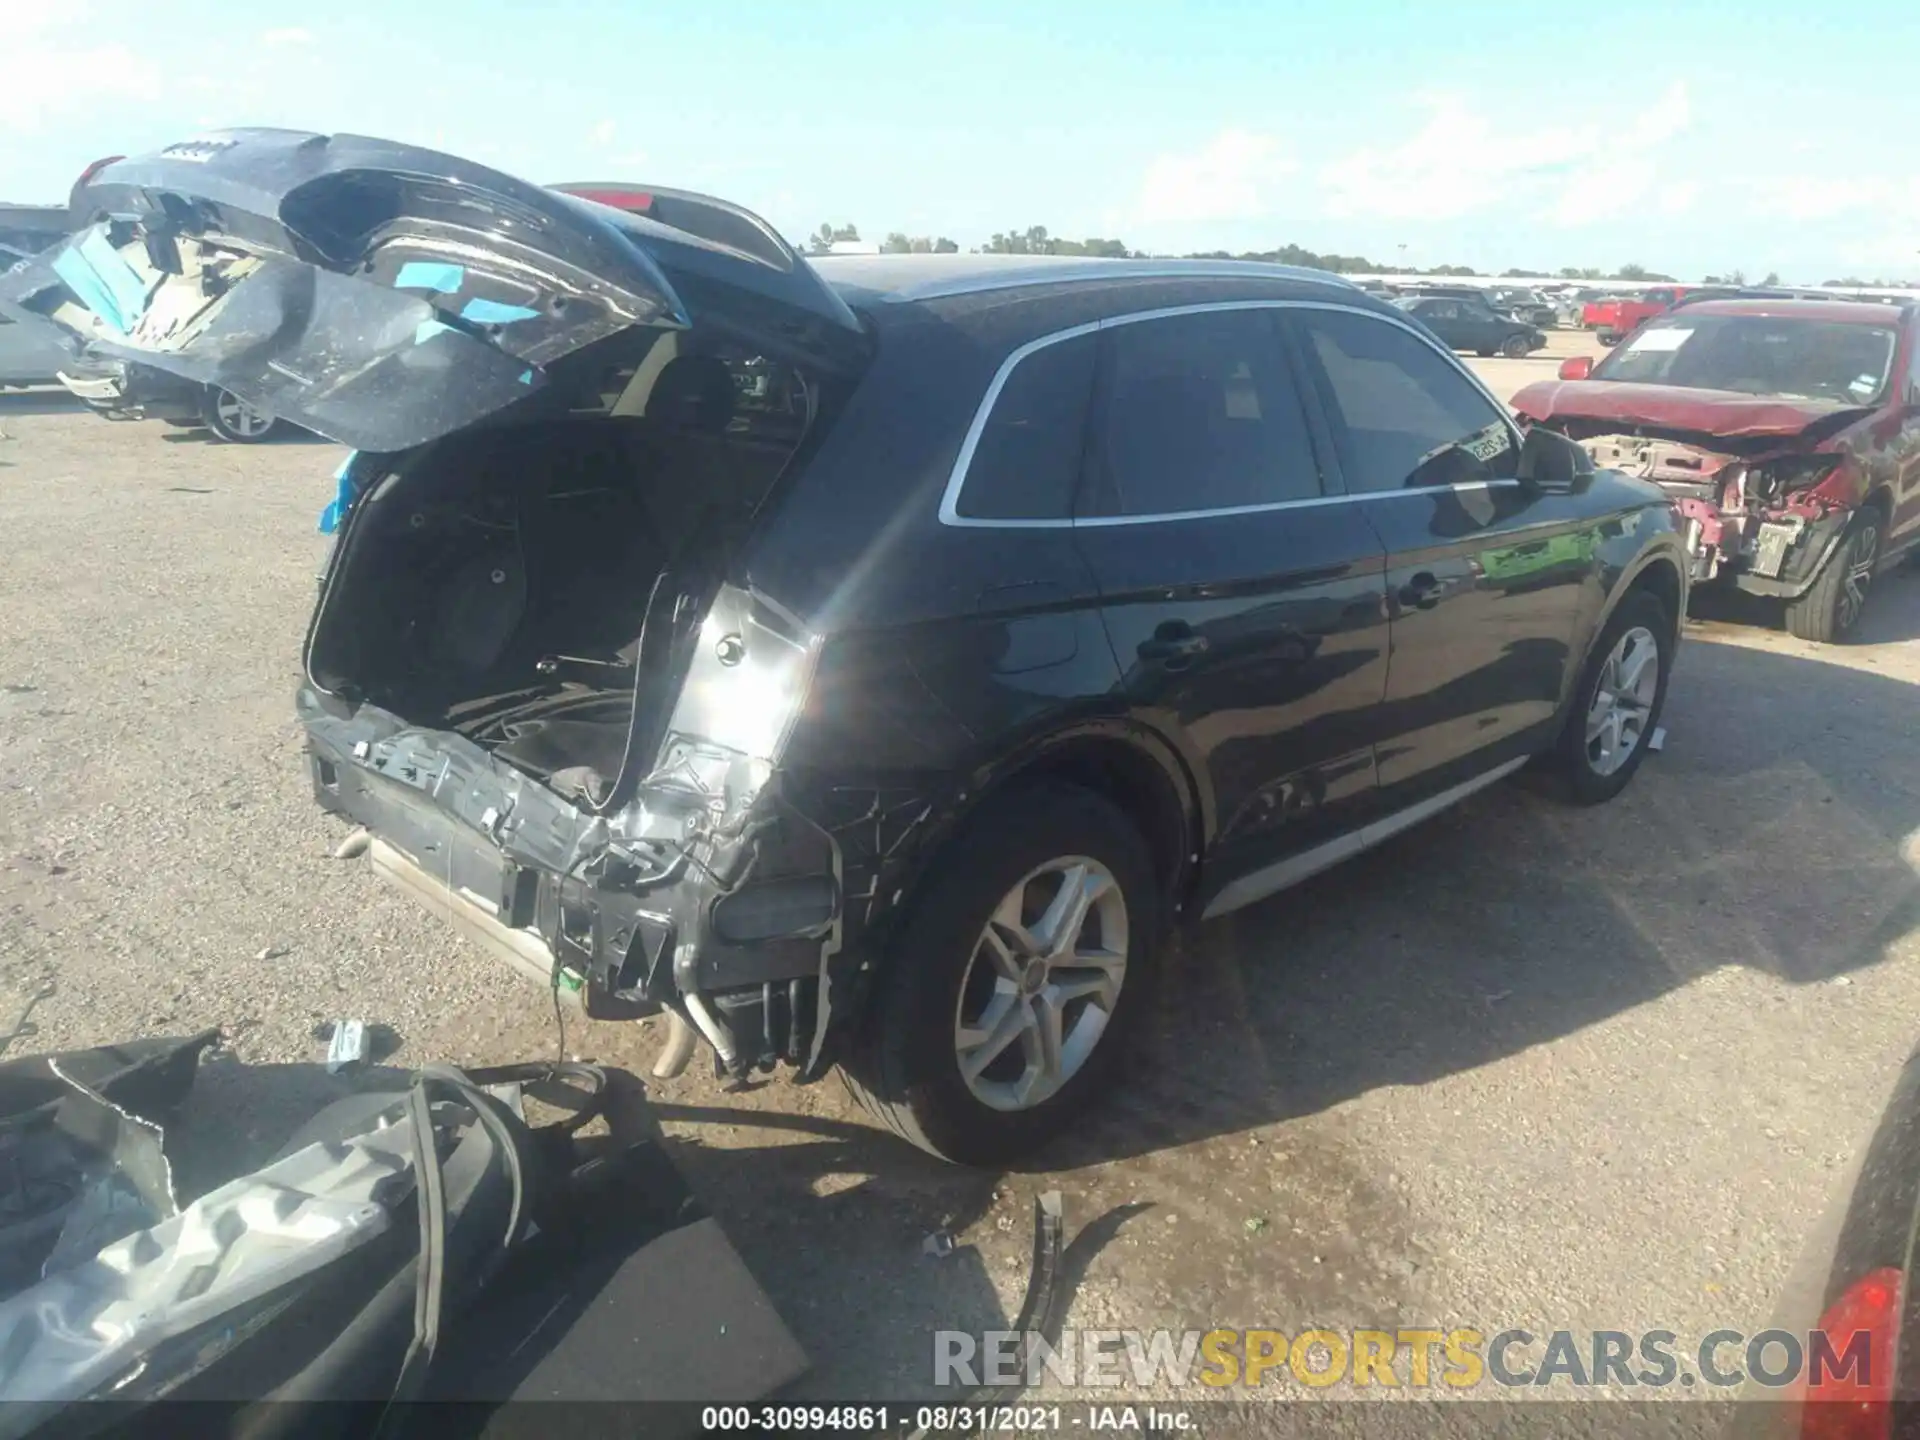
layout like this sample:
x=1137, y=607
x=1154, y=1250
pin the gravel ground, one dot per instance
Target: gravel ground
x=1522, y=1066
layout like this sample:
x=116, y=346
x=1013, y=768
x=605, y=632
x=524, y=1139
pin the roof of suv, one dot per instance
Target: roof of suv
x=909, y=278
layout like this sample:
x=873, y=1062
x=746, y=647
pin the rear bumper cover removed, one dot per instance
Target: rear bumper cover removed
x=691, y=897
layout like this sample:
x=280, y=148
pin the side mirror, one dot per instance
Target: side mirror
x=1551, y=464
x=1578, y=368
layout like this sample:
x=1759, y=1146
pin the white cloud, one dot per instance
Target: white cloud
x=55, y=68
x=291, y=35
x=1623, y=172
x=604, y=132
x=1231, y=177
x=1822, y=197
x=1464, y=160
x=1452, y=165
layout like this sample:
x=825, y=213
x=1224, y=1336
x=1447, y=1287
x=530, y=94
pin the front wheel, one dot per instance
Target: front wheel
x=1007, y=997
x=1516, y=347
x=1617, y=707
x=234, y=420
x=1830, y=610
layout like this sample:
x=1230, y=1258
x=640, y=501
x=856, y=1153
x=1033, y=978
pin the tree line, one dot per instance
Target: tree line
x=1037, y=240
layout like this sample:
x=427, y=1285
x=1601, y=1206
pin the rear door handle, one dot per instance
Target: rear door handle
x=1422, y=592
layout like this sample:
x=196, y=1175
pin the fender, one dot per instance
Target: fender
x=1663, y=546
x=1077, y=750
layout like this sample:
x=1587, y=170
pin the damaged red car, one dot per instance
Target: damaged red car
x=1786, y=432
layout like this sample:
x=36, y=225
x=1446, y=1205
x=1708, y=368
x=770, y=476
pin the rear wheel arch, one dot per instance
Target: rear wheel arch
x=1154, y=790
x=1131, y=768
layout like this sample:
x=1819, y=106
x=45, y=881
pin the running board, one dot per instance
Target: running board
x=1284, y=874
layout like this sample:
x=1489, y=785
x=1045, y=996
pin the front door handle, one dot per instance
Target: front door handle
x=1422, y=592
x=1173, y=646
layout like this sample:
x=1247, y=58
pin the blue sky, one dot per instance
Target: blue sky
x=1764, y=136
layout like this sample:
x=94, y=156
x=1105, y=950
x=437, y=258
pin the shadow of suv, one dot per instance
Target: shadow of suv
x=871, y=660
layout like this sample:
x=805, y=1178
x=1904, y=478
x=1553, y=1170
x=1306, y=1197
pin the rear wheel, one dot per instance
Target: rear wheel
x=234, y=420
x=1830, y=610
x=1617, y=707
x=1008, y=996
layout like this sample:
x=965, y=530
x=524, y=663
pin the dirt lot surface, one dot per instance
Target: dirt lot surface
x=1522, y=1066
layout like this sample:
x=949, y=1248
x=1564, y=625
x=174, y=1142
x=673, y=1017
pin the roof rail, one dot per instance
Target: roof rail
x=705, y=217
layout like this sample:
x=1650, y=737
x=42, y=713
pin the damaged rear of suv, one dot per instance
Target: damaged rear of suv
x=1787, y=434
x=871, y=671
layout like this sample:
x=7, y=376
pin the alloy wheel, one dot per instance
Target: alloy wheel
x=1042, y=983
x=244, y=421
x=1622, y=700
x=1859, y=561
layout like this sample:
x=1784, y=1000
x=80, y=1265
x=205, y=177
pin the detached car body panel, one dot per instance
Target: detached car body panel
x=676, y=678
x=379, y=294
x=1768, y=479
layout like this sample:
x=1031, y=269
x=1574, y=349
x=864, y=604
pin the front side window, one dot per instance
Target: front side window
x=1026, y=461
x=1757, y=355
x=1200, y=413
x=1407, y=417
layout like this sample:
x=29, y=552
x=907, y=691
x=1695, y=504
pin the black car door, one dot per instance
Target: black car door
x=1444, y=319
x=1485, y=580
x=1245, y=604
x=1482, y=328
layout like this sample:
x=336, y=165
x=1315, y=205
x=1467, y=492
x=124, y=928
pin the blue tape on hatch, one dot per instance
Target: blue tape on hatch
x=430, y=275
x=336, y=512
x=493, y=312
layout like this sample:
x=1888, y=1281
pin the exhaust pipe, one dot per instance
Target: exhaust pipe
x=702, y=1015
x=678, y=1051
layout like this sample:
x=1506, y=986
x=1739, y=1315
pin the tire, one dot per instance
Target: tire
x=1515, y=347
x=1592, y=771
x=1830, y=610
x=905, y=1067
x=234, y=420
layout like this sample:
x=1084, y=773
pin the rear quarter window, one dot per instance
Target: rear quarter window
x=1026, y=458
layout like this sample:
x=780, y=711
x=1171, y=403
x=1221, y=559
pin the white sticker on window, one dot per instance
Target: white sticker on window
x=1667, y=337
x=1489, y=444
x=1865, y=385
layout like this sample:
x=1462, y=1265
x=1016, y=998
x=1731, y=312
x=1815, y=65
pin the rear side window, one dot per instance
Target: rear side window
x=1026, y=461
x=1199, y=413
x=1407, y=417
